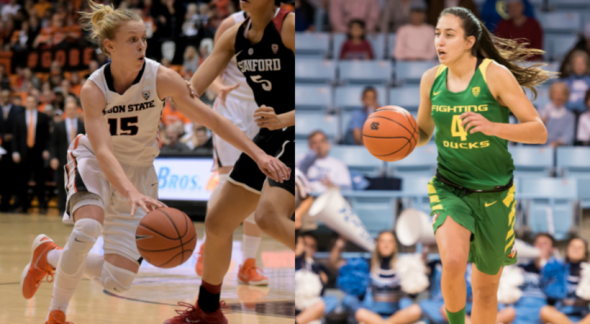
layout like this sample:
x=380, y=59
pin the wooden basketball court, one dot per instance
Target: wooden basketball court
x=155, y=292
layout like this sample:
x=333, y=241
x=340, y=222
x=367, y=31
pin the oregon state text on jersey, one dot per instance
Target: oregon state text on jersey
x=269, y=66
x=133, y=116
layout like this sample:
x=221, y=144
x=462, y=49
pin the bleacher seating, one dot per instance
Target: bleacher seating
x=377, y=210
x=349, y=97
x=358, y=158
x=312, y=45
x=420, y=163
x=365, y=72
x=377, y=42
x=315, y=71
x=560, y=22
x=532, y=162
x=308, y=122
x=416, y=193
x=557, y=46
x=406, y=97
x=573, y=162
x=312, y=97
x=411, y=72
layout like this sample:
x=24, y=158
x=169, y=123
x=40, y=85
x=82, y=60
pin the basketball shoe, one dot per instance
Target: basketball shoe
x=249, y=274
x=193, y=314
x=57, y=317
x=38, y=268
x=199, y=265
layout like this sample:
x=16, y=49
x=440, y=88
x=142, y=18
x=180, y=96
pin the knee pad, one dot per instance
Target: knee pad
x=115, y=279
x=80, y=242
x=250, y=219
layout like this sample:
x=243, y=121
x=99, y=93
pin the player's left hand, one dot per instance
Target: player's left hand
x=267, y=118
x=191, y=90
x=273, y=168
x=473, y=122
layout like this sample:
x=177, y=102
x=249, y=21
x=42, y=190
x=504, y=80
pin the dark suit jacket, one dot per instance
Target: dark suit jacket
x=42, y=136
x=7, y=125
x=60, y=140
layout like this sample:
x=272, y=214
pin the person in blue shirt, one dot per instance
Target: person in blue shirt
x=577, y=80
x=353, y=134
x=569, y=307
x=493, y=11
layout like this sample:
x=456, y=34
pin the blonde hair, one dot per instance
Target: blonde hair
x=376, y=257
x=104, y=22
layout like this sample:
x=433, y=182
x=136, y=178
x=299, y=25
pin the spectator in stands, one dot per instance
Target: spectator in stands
x=30, y=149
x=173, y=146
x=92, y=66
x=40, y=8
x=584, y=123
x=582, y=44
x=322, y=170
x=8, y=170
x=494, y=11
x=28, y=76
x=191, y=61
x=343, y=11
x=435, y=7
x=192, y=21
x=34, y=28
x=199, y=140
x=304, y=16
x=385, y=296
x=63, y=134
x=415, y=41
x=358, y=117
x=20, y=38
x=10, y=9
x=559, y=121
x=4, y=80
x=394, y=14
x=519, y=26
x=46, y=100
x=75, y=84
x=529, y=305
x=578, y=80
x=356, y=47
x=307, y=246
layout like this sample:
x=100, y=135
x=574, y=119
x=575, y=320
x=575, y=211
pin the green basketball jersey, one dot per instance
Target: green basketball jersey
x=475, y=161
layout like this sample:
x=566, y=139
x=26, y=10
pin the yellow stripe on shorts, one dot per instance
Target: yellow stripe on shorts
x=437, y=207
x=512, y=216
x=509, y=244
x=509, y=197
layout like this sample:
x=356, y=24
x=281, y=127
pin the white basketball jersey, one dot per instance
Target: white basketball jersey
x=133, y=117
x=232, y=75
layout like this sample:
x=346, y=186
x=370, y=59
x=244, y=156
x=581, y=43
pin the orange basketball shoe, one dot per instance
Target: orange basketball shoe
x=38, y=268
x=193, y=314
x=57, y=317
x=249, y=275
x=199, y=265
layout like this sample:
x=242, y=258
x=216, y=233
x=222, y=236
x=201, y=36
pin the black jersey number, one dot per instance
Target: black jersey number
x=127, y=127
x=266, y=85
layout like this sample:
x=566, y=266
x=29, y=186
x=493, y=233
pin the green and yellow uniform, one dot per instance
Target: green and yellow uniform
x=477, y=162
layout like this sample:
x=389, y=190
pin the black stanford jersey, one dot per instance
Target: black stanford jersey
x=269, y=66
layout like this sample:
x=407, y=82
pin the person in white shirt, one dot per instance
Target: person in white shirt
x=584, y=122
x=10, y=9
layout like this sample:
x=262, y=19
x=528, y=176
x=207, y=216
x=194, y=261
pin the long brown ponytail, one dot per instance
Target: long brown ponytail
x=507, y=52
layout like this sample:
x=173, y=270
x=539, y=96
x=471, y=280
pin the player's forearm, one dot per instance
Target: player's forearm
x=288, y=118
x=114, y=172
x=423, y=138
x=234, y=136
x=532, y=132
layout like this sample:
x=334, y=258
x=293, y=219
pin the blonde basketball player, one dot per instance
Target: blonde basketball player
x=112, y=183
x=236, y=102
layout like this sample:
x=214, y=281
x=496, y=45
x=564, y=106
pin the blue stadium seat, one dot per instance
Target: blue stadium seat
x=569, y=5
x=411, y=72
x=417, y=190
x=557, y=46
x=573, y=162
x=315, y=71
x=390, y=45
x=542, y=97
x=312, y=44
x=357, y=158
x=314, y=97
x=420, y=163
x=377, y=212
x=584, y=192
x=532, y=162
x=560, y=22
x=337, y=40
x=405, y=97
x=349, y=97
x=365, y=72
x=550, y=205
x=308, y=122
x=377, y=42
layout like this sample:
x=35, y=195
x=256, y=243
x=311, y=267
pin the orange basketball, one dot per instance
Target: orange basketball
x=390, y=133
x=166, y=237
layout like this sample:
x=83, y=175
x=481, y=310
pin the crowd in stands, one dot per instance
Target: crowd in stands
x=180, y=36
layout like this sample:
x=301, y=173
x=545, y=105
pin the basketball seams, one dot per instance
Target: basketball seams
x=401, y=148
x=177, y=232
x=173, y=257
x=163, y=250
x=393, y=120
x=151, y=229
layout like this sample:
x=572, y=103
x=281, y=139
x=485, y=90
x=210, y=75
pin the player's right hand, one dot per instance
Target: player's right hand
x=274, y=168
x=223, y=92
x=146, y=203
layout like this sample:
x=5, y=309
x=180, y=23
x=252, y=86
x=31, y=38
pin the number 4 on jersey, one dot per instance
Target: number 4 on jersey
x=457, y=130
x=266, y=85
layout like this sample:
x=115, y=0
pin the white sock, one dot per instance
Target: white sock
x=72, y=262
x=53, y=257
x=250, y=246
x=93, y=267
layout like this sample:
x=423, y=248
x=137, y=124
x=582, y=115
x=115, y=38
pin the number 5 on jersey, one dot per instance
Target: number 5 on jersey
x=127, y=126
x=457, y=130
x=266, y=85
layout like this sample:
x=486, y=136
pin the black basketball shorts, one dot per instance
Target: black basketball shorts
x=247, y=174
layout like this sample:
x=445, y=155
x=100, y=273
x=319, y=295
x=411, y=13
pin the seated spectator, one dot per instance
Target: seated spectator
x=356, y=46
x=578, y=80
x=358, y=117
x=384, y=301
x=192, y=21
x=173, y=146
x=75, y=84
x=415, y=41
x=558, y=120
x=28, y=76
x=53, y=35
x=4, y=80
x=520, y=27
x=569, y=307
x=10, y=9
x=435, y=7
x=73, y=30
x=92, y=66
x=40, y=8
x=493, y=12
x=171, y=115
x=394, y=14
x=46, y=101
x=343, y=11
x=322, y=170
x=200, y=140
x=527, y=308
x=584, y=123
x=20, y=38
x=191, y=61
x=304, y=16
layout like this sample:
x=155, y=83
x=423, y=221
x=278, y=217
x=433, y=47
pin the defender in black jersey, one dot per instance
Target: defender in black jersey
x=264, y=46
